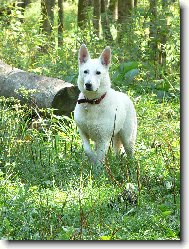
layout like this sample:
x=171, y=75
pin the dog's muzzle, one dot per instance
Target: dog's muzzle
x=88, y=86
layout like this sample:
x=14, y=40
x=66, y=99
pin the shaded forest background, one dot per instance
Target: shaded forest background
x=143, y=31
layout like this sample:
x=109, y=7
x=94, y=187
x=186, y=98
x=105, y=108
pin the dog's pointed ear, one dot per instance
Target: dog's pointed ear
x=83, y=54
x=105, y=57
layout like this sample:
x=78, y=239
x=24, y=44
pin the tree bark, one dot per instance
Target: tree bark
x=153, y=42
x=48, y=15
x=124, y=12
x=51, y=92
x=82, y=13
x=113, y=9
x=96, y=16
x=105, y=21
x=135, y=3
x=163, y=35
x=60, y=22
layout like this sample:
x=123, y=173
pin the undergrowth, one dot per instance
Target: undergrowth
x=49, y=191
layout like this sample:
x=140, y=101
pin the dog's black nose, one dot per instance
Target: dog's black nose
x=88, y=86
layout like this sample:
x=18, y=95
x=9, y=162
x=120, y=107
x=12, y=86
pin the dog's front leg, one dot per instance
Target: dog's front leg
x=101, y=151
x=86, y=146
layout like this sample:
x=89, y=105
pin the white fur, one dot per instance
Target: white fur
x=114, y=118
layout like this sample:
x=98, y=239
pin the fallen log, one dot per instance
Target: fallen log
x=50, y=92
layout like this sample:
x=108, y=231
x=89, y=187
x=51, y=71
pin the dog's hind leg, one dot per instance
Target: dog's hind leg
x=128, y=134
x=128, y=140
x=117, y=144
x=129, y=148
x=129, y=144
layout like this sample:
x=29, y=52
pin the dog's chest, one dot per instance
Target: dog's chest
x=86, y=108
x=93, y=120
x=88, y=113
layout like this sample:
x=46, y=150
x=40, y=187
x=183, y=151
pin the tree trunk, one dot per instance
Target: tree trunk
x=163, y=36
x=135, y=3
x=82, y=13
x=60, y=22
x=48, y=15
x=113, y=9
x=124, y=12
x=51, y=92
x=105, y=21
x=96, y=16
x=153, y=42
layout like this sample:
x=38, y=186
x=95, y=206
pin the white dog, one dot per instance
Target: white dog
x=101, y=113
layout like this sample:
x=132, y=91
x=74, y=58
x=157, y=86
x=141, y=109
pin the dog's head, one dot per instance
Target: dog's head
x=93, y=73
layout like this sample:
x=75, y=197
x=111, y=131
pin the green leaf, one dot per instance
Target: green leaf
x=127, y=66
x=167, y=213
x=131, y=74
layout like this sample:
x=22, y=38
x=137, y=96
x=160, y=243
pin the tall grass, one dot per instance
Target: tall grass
x=49, y=191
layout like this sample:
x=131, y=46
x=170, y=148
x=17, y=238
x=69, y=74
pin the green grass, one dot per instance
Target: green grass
x=50, y=192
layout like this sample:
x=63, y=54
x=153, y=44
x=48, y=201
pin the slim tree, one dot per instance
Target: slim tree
x=48, y=15
x=60, y=22
x=105, y=20
x=135, y=3
x=96, y=16
x=113, y=9
x=163, y=36
x=153, y=40
x=124, y=12
x=82, y=13
x=124, y=9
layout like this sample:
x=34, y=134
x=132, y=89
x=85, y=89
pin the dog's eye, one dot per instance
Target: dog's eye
x=98, y=72
x=86, y=71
